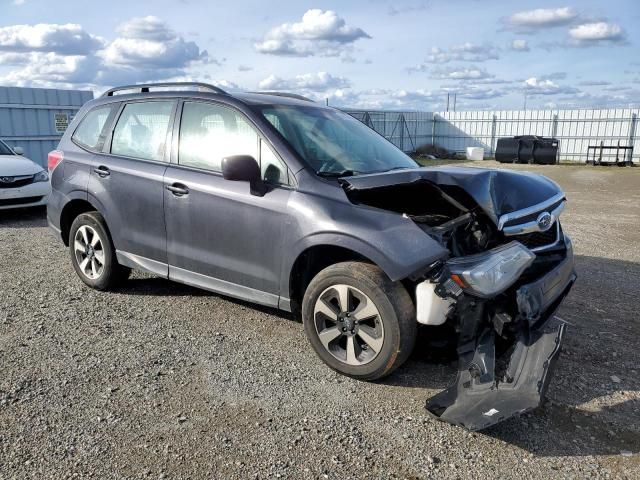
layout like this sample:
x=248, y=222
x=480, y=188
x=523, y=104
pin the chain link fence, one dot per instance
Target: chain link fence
x=577, y=130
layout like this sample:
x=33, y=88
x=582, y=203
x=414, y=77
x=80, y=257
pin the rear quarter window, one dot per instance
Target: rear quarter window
x=91, y=132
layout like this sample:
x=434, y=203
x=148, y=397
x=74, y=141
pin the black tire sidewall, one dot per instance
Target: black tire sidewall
x=95, y=221
x=399, y=331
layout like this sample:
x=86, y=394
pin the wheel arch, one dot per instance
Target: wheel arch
x=311, y=261
x=69, y=213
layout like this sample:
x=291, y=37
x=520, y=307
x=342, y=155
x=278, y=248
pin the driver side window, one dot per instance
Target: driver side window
x=210, y=132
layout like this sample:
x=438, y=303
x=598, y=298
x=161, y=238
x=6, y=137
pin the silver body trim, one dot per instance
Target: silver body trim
x=142, y=263
x=507, y=217
x=221, y=286
x=531, y=227
x=551, y=245
x=202, y=281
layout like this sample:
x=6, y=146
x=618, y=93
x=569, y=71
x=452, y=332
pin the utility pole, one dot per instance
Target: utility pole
x=327, y=99
x=448, y=102
x=455, y=99
x=525, y=100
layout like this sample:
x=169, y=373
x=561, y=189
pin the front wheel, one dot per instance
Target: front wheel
x=358, y=321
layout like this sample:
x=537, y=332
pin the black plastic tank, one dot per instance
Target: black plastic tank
x=527, y=149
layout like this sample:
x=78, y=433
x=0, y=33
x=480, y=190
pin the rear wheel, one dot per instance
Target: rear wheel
x=358, y=321
x=92, y=253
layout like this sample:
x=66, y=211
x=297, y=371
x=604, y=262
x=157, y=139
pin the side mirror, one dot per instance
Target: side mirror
x=244, y=168
x=18, y=150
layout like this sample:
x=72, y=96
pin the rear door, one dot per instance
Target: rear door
x=127, y=181
x=219, y=235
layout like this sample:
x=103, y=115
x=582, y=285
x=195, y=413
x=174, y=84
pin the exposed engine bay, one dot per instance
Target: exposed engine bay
x=509, y=267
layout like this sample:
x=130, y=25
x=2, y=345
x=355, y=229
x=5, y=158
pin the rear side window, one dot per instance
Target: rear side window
x=141, y=131
x=91, y=132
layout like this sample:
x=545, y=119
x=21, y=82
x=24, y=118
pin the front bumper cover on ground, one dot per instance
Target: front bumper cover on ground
x=479, y=397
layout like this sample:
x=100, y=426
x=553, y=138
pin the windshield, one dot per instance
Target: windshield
x=4, y=149
x=334, y=143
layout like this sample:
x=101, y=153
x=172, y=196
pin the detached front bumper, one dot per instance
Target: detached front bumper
x=489, y=389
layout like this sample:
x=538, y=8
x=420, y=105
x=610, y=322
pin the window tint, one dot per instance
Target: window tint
x=90, y=133
x=208, y=133
x=141, y=131
x=272, y=168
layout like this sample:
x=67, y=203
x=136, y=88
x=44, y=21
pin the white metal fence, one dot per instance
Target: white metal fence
x=575, y=129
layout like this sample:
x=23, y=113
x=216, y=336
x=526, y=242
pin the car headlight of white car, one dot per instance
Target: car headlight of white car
x=490, y=273
x=42, y=176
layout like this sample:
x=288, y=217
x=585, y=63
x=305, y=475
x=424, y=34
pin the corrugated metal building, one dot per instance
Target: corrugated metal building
x=36, y=118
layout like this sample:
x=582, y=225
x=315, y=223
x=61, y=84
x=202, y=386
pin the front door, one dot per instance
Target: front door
x=219, y=235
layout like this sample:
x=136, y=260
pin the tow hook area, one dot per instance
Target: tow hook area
x=479, y=399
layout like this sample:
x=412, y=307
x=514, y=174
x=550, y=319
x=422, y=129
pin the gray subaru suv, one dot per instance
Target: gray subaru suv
x=274, y=199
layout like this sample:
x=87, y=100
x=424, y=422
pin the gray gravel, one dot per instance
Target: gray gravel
x=159, y=380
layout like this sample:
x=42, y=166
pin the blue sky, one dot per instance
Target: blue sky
x=405, y=54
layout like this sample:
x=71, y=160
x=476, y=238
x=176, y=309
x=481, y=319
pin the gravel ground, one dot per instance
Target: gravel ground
x=159, y=380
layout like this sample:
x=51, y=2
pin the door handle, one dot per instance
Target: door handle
x=178, y=189
x=102, y=171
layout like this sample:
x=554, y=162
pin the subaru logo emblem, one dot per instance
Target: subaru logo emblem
x=6, y=179
x=544, y=221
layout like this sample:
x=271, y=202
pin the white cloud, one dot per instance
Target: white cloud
x=68, y=39
x=400, y=9
x=320, y=33
x=313, y=82
x=50, y=69
x=532, y=20
x=149, y=43
x=49, y=54
x=475, y=92
x=541, y=86
x=468, y=52
x=520, y=45
x=594, y=83
x=461, y=73
x=596, y=32
x=149, y=28
x=18, y=2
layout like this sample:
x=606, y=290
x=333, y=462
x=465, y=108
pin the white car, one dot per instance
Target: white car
x=23, y=183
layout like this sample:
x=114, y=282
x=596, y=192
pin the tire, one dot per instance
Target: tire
x=101, y=270
x=380, y=312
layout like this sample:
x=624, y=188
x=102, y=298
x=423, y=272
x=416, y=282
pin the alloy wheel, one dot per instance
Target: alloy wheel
x=89, y=252
x=348, y=324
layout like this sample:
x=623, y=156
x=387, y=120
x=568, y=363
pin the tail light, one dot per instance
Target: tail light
x=54, y=158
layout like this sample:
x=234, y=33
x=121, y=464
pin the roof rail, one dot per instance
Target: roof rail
x=145, y=87
x=285, y=94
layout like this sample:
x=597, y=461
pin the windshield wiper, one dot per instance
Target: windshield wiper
x=341, y=173
x=391, y=169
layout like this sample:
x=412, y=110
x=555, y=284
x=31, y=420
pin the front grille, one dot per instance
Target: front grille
x=19, y=201
x=531, y=217
x=539, y=239
x=15, y=182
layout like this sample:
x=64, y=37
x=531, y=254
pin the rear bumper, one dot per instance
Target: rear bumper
x=480, y=397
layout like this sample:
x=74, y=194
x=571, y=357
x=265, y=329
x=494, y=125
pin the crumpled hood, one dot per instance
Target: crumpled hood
x=496, y=191
x=16, y=165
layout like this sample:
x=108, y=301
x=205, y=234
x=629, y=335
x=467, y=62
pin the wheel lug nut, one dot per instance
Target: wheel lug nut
x=344, y=329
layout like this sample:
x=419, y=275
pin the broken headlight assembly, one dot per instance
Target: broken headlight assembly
x=489, y=273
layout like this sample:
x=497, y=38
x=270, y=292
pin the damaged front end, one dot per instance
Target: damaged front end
x=507, y=346
x=509, y=269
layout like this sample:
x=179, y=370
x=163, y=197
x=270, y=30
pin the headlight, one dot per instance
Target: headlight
x=490, y=273
x=42, y=176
